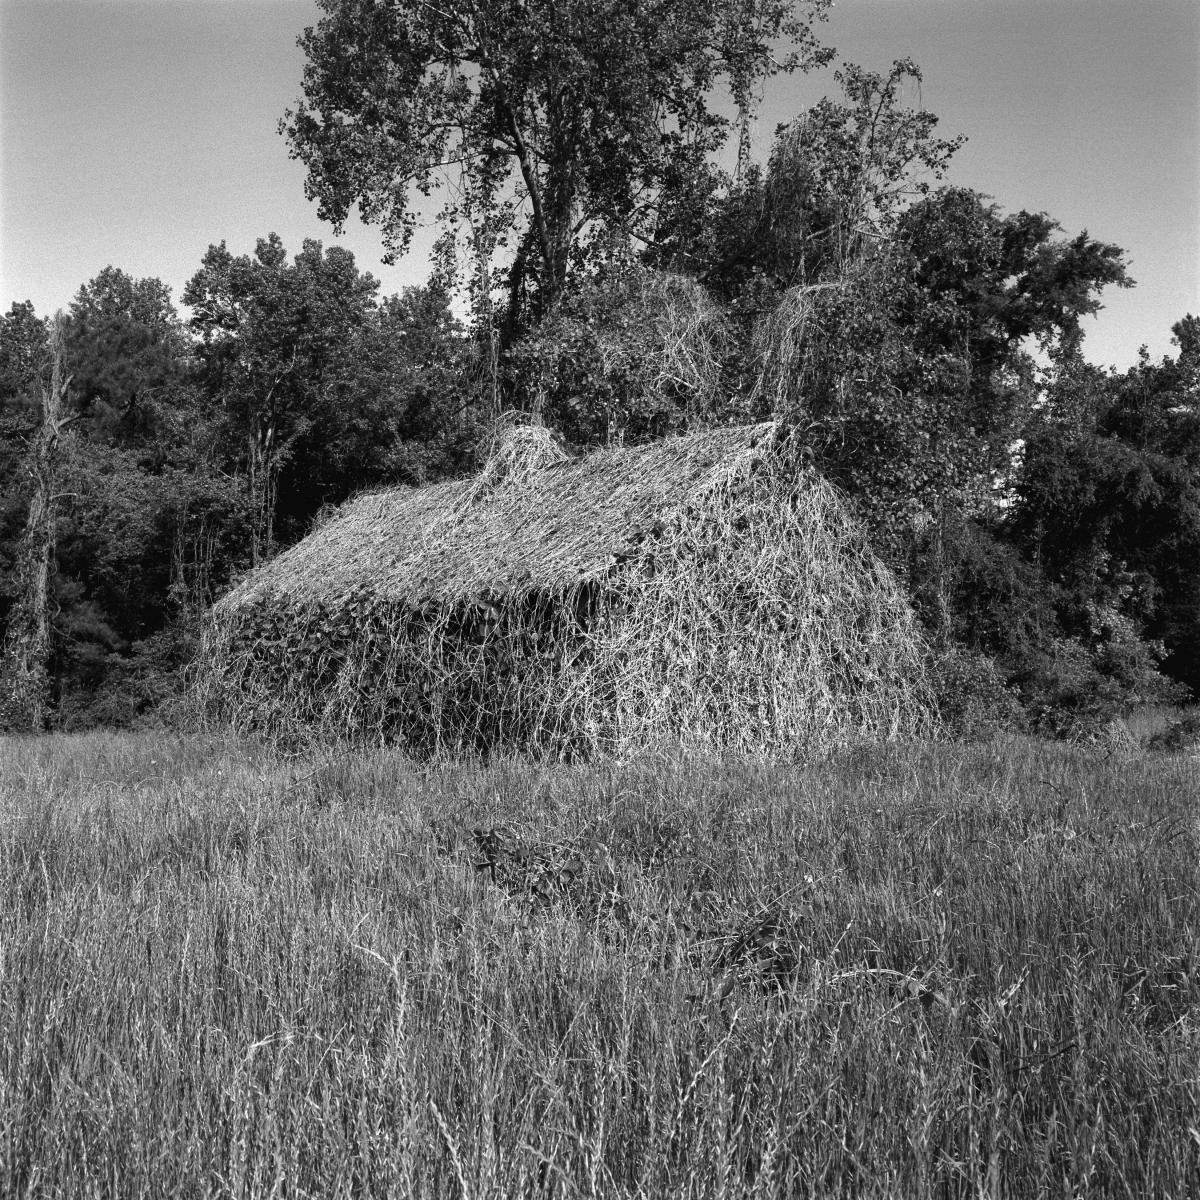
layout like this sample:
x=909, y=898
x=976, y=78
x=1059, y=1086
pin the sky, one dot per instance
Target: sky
x=135, y=133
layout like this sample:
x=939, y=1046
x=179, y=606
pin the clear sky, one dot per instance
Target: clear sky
x=137, y=132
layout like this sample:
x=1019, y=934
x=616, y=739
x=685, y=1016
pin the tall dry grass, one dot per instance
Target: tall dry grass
x=935, y=971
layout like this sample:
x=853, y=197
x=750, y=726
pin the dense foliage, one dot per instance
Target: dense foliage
x=200, y=448
x=620, y=285
x=549, y=125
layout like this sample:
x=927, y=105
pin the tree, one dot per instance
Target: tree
x=417, y=413
x=907, y=365
x=917, y=367
x=143, y=524
x=989, y=286
x=278, y=348
x=24, y=342
x=807, y=252
x=1108, y=498
x=838, y=179
x=127, y=349
x=628, y=357
x=24, y=674
x=142, y=548
x=565, y=120
x=24, y=350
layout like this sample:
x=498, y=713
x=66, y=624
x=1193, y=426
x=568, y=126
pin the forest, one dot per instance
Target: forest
x=606, y=267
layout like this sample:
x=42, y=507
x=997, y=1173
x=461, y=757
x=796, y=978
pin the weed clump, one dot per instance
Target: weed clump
x=1180, y=735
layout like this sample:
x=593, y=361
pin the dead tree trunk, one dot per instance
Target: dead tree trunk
x=24, y=666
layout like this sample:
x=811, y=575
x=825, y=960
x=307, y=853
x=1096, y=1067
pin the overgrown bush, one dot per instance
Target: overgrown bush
x=147, y=687
x=973, y=698
x=1074, y=690
x=1183, y=734
x=1023, y=651
x=695, y=592
x=631, y=358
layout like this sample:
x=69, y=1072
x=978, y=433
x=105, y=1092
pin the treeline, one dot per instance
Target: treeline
x=197, y=449
x=924, y=345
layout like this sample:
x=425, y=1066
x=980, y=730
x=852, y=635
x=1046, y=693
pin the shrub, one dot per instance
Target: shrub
x=973, y=698
x=1183, y=734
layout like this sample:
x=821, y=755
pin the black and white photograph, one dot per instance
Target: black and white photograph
x=599, y=598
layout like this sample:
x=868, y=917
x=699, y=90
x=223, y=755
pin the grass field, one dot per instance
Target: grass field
x=938, y=971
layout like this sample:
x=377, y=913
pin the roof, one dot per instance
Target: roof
x=565, y=523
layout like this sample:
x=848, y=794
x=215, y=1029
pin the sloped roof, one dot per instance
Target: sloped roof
x=567, y=522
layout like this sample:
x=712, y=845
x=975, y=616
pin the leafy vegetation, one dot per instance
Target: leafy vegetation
x=552, y=127
x=198, y=449
x=600, y=270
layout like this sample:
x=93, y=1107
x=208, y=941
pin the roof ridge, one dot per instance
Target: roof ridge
x=562, y=522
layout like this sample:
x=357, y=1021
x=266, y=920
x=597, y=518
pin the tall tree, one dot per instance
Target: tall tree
x=144, y=419
x=278, y=346
x=23, y=346
x=417, y=411
x=24, y=676
x=1108, y=498
x=551, y=121
x=807, y=252
x=990, y=286
x=922, y=375
x=127, y=348
x=839, y=177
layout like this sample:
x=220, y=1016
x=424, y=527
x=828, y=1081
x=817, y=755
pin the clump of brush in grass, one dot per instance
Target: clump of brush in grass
x=707, y=591
x=1182, y=734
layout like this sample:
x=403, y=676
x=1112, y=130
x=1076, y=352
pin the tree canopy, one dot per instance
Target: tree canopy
x=278, y=342
x=921, y=344
x=548, y=123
